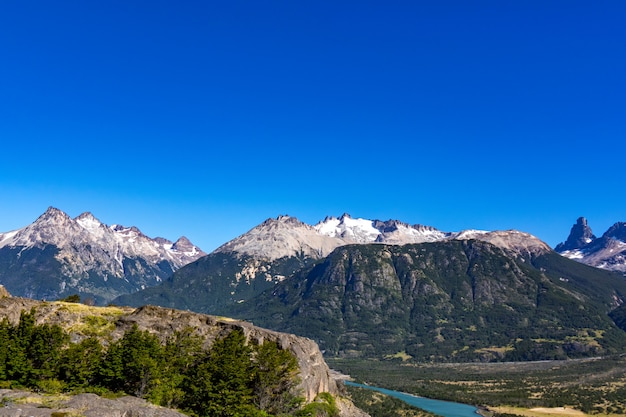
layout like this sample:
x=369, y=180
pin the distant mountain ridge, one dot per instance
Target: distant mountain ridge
x=57, y=255
x=606, y=252
x=280, y=247
x=287, y=236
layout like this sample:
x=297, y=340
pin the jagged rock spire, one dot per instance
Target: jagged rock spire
x=579, y=236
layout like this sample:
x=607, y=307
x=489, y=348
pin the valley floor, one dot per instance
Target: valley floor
x=538, y=389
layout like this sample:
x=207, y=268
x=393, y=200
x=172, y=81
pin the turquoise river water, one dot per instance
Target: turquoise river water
x=442, y=408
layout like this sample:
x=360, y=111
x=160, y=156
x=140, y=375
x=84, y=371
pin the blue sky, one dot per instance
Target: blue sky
x=204, y=118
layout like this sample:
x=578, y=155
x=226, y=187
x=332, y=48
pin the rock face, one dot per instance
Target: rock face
x=4, y=292
x=282, y=237
x=579, y=236
x=314, y=372
x=27, y=404
x=606, y=252
x=57, y=255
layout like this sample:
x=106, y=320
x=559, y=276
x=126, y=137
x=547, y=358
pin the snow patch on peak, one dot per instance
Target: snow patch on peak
x=470, y=234
x=574, y=254
x=397, y=233
x=352, y=230
x=7, y=238
x=328, y=227
x=89, y=222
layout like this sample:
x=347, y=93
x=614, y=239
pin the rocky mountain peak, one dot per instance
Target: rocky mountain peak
x=617, y=231
x=579, y=236
x=89, y=222
x=53, y=216
x=283, y=236
x=87, y=216
x=183, y=242
x=83, y=248
x=607, y=252
x=162, y=241
x=513, y=241
x=283, y=220
x=184, y=245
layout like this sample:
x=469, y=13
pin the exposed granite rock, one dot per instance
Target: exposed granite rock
x=348, y=409
x=28, y=404
x=579, y=236
x=3, y=292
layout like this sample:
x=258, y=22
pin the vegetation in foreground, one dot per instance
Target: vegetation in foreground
x=231, y=378
x=594, y=386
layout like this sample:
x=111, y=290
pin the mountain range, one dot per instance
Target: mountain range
x=56, y=256
x=374, y=289
x=279, y=247
x=358, y=287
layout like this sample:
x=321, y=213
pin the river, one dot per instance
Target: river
x=442, y=408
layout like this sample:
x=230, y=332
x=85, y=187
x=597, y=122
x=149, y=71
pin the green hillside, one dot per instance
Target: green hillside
x=214, y=282
x=451, y=301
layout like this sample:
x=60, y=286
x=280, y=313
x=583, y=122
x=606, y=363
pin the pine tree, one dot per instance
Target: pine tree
x=132, y=363
x=44, y=352
x=182, y=351
x=275, y=379
x=5, y=343
x=81, y=362
x=221, y=385
x=18, y=366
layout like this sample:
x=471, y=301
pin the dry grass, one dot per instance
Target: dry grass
x=400, y=355
x=541, y=412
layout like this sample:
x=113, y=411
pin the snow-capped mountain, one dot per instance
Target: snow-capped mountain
x=86, y=256
x=282, y=248
x=369, y=231
x=287, y=236
x=607, y=251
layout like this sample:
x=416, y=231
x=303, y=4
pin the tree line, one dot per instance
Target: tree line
x=231, y=378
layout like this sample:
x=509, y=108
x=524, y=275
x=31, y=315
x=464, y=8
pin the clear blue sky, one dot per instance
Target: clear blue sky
x=203, y=118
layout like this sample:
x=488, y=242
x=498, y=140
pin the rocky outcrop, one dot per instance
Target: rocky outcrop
x=3, y=292
x=579, y=236
x=314, y=372
x=28, y=404
x=114, y=321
